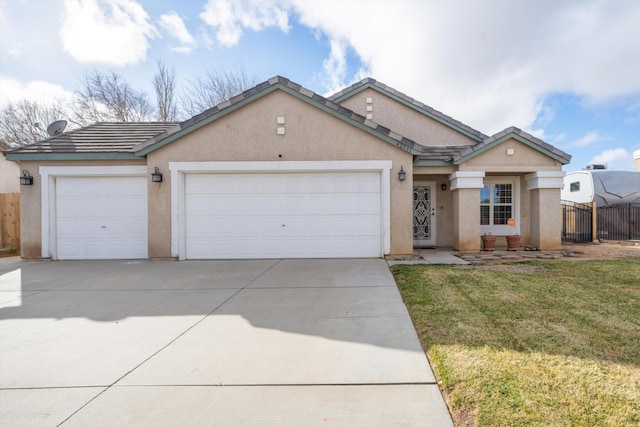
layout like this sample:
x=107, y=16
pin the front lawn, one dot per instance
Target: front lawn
x=536, y=343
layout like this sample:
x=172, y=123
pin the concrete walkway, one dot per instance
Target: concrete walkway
x=226, y=343
x=430, y=256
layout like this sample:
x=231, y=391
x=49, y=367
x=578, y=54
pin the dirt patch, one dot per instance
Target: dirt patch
x=605, y=250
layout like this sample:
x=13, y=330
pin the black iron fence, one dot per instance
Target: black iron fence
x=619, y=222
x=577, y=222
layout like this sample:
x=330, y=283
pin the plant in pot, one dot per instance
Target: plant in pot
x=513, y=242
x=488, y=242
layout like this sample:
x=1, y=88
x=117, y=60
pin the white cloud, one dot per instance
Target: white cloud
x=229, y=18
x=589, y=139
x=615, y=159
x=113, y=32
x=174, y=25
x=334, y=68
x=480, y=62
x=13, y=90
x=15, y=51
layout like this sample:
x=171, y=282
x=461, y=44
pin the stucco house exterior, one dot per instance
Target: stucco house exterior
x=281, y=172
x=9, y=173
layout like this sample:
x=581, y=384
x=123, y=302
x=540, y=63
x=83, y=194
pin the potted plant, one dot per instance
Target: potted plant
x=488, y=242
x=513, y=242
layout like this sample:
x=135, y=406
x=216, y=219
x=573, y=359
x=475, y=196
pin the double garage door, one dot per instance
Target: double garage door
x=226, y=216
x=282, y=215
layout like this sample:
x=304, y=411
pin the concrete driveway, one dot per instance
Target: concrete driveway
x=225, y=343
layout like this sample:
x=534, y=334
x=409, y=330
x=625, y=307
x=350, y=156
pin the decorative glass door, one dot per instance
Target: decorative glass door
x=424, y=216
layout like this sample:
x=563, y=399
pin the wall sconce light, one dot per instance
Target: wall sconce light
x=402, y=175
x=26, y=179
x=443, y=187
x=156, y=176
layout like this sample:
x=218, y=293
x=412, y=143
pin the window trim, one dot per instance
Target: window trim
x=503, y=230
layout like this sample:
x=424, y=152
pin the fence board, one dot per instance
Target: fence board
x=10, y=220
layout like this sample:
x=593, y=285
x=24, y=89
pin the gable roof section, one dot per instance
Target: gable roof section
x=265, y=88
x=107, y=141
x=369, y=83
x=455, y=155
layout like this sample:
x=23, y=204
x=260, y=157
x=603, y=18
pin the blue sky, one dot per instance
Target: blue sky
x=566, y=71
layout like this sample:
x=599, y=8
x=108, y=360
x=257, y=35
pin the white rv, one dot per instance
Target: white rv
x=605, y=187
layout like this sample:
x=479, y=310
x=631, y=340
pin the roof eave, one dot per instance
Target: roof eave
x=71, y=156
x=423, y=162
x=512, y=135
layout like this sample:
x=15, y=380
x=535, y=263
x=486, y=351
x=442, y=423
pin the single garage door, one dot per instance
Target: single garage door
x=101, y=217
x=283, y=215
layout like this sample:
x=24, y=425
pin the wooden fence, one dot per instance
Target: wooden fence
x=10, y=220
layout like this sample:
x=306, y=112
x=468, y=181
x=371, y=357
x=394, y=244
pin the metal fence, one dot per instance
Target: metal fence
x=577, y=222
x=619, y=222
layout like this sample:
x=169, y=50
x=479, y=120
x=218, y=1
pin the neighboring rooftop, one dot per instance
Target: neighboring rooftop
x=102, y=137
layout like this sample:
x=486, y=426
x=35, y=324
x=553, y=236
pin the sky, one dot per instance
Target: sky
x=567, y=71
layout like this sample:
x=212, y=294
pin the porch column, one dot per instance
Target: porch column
x=546, y=213
x=466, y=209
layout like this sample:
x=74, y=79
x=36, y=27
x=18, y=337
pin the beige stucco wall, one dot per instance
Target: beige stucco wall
x=9, y=173
x=546, y=219
x=249, y=134
x=466, y=223
x=636, y=156
x=404, y=120
x=524, y=159
x=30, y=199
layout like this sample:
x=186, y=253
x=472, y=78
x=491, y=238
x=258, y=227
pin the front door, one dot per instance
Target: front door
x=424, y=215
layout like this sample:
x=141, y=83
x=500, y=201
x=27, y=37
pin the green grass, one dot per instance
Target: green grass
x=548, y=343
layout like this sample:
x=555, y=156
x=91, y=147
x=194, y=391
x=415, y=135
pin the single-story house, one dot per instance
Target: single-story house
x=282, y=172
x=605, y=187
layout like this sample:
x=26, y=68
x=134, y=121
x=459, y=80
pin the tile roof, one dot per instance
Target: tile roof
x=265, y=88
x=460, y=154
x=409, y=101
x=138, y=138
x=101, y=137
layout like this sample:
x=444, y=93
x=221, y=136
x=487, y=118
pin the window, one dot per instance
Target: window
x=498, y=203
x=574, y=186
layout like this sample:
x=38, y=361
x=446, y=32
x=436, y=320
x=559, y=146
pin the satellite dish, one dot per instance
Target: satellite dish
x=57, y=127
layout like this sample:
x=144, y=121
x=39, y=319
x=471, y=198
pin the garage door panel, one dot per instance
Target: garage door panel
x=101, y=217
x=293, y=215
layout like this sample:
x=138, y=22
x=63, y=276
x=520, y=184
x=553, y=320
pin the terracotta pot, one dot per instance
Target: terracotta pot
x=488, y=242
x=513, y=243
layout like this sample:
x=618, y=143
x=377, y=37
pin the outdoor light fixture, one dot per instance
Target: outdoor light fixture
x=402, y=175
x=26, y=179
x=443, y=187
x=156, y=176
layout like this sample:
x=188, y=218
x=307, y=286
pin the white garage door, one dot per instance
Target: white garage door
x=283, y=215
x=101, y=217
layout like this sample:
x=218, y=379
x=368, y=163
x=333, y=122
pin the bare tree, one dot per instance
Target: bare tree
x=26, y=121
x=217, y=86
x=164, y=83
x=108, y=97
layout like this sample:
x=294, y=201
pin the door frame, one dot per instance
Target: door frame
x=434, y=216
x=178, y=188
